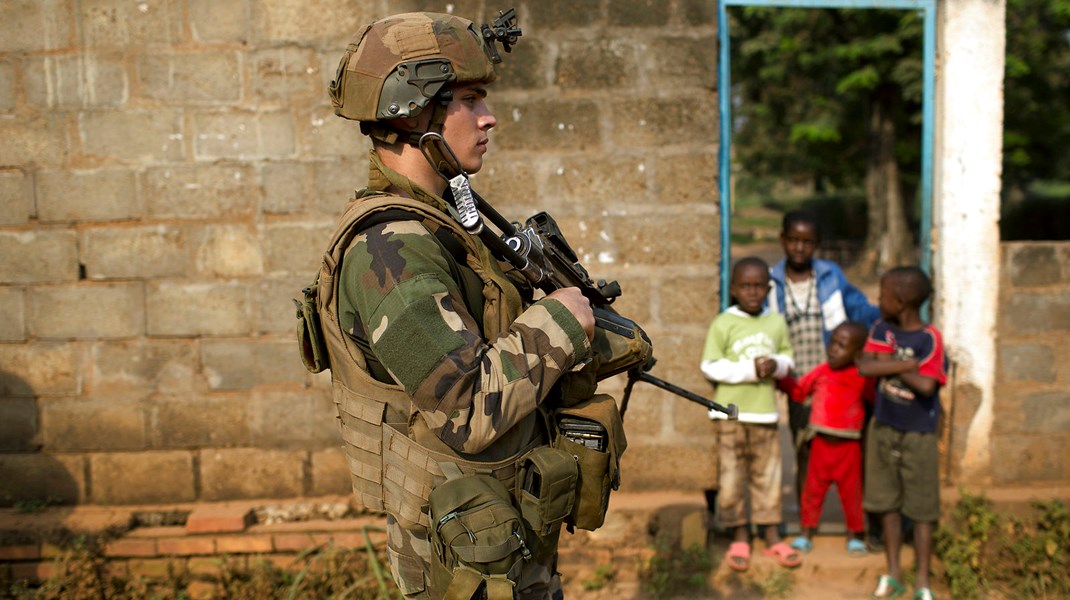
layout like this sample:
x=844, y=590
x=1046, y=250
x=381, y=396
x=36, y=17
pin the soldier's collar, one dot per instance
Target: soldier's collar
x=381, y=178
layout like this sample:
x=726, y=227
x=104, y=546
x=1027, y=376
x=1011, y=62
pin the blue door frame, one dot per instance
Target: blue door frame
x=724, y=84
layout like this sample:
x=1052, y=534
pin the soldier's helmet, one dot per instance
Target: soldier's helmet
x=396, y=66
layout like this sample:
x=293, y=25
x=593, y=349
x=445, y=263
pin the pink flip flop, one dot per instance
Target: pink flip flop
x=785, y=555
x=738, y=556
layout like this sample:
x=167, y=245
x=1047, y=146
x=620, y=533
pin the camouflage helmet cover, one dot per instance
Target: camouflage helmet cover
x=395, y=66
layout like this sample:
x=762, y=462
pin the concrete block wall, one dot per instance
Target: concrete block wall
x=172, y=168
x=1032, y=411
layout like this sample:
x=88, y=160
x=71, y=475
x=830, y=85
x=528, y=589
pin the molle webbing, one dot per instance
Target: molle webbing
x=389, y=470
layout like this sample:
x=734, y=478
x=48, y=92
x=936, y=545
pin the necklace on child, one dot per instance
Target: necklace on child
x=801, y=312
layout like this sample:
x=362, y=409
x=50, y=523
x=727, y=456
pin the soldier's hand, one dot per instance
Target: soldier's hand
x=578, y=305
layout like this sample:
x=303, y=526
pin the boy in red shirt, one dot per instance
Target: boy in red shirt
x=836, y=422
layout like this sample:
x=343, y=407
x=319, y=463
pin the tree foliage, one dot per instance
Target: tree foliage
x=804, y=81
x=1036, y=136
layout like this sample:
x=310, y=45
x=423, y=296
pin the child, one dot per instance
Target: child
x=814, y=296
x=902, y=475
x=839, y=395
x=746, y=347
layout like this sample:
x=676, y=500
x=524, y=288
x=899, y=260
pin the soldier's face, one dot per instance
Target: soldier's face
x=468, y=120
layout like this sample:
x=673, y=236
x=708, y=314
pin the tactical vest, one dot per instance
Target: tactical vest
x=390, y=469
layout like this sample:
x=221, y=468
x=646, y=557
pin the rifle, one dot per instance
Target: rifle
x=541, y=253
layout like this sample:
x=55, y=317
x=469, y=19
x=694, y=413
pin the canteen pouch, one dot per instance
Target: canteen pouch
x=546, y=484
x=477, y=536
x=311, y=345
x=593, y=433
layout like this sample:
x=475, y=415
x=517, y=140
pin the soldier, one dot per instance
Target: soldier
x=440, y=355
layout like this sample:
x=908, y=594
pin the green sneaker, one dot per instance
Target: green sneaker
x=923, y=594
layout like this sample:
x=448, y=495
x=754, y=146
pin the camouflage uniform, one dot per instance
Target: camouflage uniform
x=437, y=352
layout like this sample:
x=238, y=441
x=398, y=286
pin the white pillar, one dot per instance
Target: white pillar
x=966, y=197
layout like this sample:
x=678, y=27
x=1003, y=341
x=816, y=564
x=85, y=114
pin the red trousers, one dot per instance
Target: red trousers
x=839, y=461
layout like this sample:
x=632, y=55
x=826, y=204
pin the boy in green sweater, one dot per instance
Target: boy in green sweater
x=746, y=350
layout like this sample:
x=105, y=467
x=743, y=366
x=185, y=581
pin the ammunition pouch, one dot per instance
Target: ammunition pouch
x=592, y=432
x=546, y=488
x=311, y=345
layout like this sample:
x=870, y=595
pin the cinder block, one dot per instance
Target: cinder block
x=294, y=419
x=684, y=179
x=1027, y=362
x=1035, y=312
x=242, y=473
x=87, y=311
x=283, y=21
x=7, y=86
x=58, y=478
x=656, y=122
x=681, y=63
x=668, y=465
x=643, y=241
x=12, y=306
x=277, y=312
x=283, y=187
x=84, y=80
x=697, y=12
x=230, y=251
x=244, y=135
x=322, y=134
x=237, y=364
x=192, y=309
x=86, y=195
x=214, y=518
x=35, y=25
x=40, y=140
x=335, y=182
x=19, y=425
x=528, y=65
x=219, y=22
x=40, y=369
x=1048, y=412
x=151, y=135
x=597, y=64
x=107, y=24
x=617, y=181
x=330, y=473
x=87, y=424
x=38, y=256
x=195, y=422
x=145, y=366
x=285, y=72
x=686, y=300
x=1033, y=265
x=553, y=16
x=197, y=191
x=639, y=13
x=16, y=192
x=188, y=78
x=142, y=477
x=137, y=252
x=295, y=247
x=548, y=125
x=1027, y=458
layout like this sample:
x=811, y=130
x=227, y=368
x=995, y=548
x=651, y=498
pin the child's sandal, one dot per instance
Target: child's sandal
x=738, y=556
x=887, y=588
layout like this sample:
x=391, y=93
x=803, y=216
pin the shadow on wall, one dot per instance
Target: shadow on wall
x=29, y=478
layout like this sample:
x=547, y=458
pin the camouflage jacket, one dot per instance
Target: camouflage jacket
x=398, y=293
